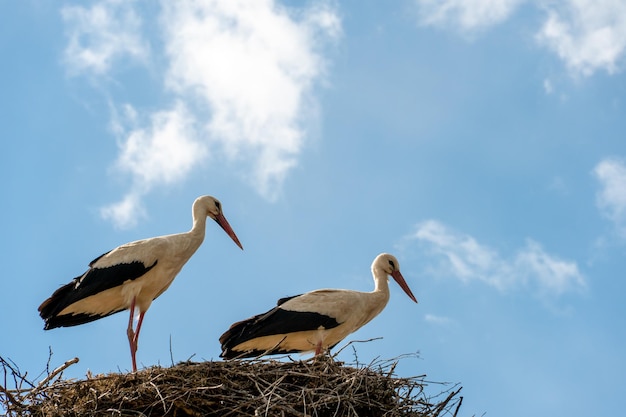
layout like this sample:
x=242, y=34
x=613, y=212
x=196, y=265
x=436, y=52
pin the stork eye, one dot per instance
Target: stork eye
x=218, y=205
x=393, y=265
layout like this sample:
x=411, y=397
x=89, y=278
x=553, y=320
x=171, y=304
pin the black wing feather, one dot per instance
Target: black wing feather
x=94, y=281
x=273, y=322
x=91, y=264
x=285, y=299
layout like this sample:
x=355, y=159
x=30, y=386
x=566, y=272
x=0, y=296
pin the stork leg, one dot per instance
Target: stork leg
x=136, y=339
x=132, y=339
x=318, y=348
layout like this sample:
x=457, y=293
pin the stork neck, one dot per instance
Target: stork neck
x=198, y=228
x=381, y=281
x=380, y=295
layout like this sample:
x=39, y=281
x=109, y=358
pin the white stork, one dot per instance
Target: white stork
x=314, y=321
x=131, y=276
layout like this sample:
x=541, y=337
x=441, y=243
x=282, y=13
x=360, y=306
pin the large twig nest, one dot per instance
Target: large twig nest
x=251, y=388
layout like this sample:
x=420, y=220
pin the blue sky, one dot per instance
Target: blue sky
x=481, y=142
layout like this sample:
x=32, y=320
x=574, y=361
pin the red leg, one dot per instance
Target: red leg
x=138, y=329
x=318, y=348
x=131, y=335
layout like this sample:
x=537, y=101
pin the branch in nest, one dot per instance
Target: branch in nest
x=47, y=379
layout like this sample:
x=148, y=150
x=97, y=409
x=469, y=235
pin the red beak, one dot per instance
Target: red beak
x=221, y=220
x=402, y=283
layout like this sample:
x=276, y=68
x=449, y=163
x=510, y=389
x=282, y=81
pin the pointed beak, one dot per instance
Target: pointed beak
x=221, y=220
x=396, y=275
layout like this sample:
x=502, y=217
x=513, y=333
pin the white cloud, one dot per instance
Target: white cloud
x=125, y=213
x=99, y=34
x=164, y=152
x=438, y=320
x=551, y=274
x=465, y=15
x=588, y=35
x=464, y=258
x=611, y=198
x=161, y=153
x=463, y=255
x=246, y=69
x=254, y=65
x=547, y=86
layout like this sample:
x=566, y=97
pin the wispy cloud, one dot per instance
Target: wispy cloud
x=247, y=70
x=102, y=33
x=127, y=212
x=587, y=35
x=465, y=15
x=463, y=257
x=163, y=150
x=611, y=198
x=548, y=87
x=438, y=320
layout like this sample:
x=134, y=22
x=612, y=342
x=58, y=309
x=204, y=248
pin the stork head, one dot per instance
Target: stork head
x=388, y=264
x=211, y=207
